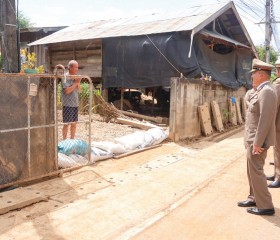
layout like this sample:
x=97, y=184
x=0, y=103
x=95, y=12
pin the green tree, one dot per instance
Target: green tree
x=24, y=22
x=261, y=52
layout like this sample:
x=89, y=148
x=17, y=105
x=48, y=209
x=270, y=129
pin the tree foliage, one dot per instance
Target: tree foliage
x=261, y=51
x=24, y=22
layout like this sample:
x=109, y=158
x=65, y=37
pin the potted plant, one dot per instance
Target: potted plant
x=28, y=63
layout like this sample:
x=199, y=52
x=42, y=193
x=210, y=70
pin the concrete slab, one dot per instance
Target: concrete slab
x=238, y=112
x=19, y=198
x=205, y=120
x=217, y=116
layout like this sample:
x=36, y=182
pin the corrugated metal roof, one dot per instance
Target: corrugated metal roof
x=191, y=19
x=185, y=20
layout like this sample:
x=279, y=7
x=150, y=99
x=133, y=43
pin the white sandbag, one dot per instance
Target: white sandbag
x=157, y=134
x=78, y=159
x=132, y=141
x=147, y=141
x=113, y=148
x=98, y=154
x=65, y=161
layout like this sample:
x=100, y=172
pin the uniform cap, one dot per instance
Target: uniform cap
x=258, y=65
x=277, y=63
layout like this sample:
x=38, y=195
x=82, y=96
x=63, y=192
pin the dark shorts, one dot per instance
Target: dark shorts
x=70, y=114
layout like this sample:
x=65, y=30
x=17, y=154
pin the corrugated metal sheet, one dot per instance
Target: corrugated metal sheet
x=43, y=29
x=185, y=20
x=222, y=37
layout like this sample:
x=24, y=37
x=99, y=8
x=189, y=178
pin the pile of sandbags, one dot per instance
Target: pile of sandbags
x=136, y=140
x=74, y=152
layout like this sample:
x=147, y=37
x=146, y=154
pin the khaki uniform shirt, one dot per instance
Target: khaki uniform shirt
x=277, y=89
x=260, y=117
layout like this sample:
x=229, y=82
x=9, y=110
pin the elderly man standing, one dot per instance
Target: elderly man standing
x=70, y=100
x=276, y=177
x=259, y=136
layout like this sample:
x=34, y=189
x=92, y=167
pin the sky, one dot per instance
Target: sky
x=46, y=13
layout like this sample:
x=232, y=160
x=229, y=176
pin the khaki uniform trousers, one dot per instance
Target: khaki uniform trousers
x=257, y=180
x=277, y=157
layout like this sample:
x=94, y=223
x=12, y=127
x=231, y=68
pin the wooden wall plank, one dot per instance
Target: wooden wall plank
x=88, y=53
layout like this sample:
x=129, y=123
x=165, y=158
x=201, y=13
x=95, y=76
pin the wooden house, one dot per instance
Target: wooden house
x=146, y=52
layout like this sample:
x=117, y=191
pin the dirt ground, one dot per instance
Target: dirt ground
x=171, y=192
x=178, y=191
x=101, y=131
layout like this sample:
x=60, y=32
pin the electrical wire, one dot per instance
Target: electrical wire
x=246, y=12
x=251, y=8
x=259, y=5
x=275, y=36
x=254, y=7
x=181, y=74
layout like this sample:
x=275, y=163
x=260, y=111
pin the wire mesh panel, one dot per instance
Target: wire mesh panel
x=27, y=127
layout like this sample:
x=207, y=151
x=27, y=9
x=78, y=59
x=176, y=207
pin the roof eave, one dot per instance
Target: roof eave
x=210, y=19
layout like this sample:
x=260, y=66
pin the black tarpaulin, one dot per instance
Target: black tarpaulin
x=230, y=69
x=149, y=61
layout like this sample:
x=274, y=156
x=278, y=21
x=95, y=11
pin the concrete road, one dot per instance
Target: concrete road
x=171, y=192
x=212, y=212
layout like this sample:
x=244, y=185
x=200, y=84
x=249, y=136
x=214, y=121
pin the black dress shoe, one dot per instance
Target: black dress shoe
x=257, y=211
x=246, y=203
x=271, y=163
x=270, y=178
x=275, y=184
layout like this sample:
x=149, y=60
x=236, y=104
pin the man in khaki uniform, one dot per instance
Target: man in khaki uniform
x=276, y=177
x=259, y=136
x=248, y=96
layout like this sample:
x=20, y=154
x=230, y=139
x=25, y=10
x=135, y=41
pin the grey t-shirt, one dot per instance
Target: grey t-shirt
x=71, y=99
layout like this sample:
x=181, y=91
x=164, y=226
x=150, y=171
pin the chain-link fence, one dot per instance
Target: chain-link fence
x=33, y=124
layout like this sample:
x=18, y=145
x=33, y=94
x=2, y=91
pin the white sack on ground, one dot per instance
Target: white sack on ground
x=148, y=140
x=80, y=160
x=132, y=141
x=157, y=134
x=65, y=161
x=98, y=154
x=113, y=148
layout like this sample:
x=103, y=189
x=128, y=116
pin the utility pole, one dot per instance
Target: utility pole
x=8, y=36
x=268, y=30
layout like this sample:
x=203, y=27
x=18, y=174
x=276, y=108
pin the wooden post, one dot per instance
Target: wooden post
x=153, y=104
x=8, y=30
x=121, y=98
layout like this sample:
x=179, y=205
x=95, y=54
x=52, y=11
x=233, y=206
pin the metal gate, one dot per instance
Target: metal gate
x=31, y=125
